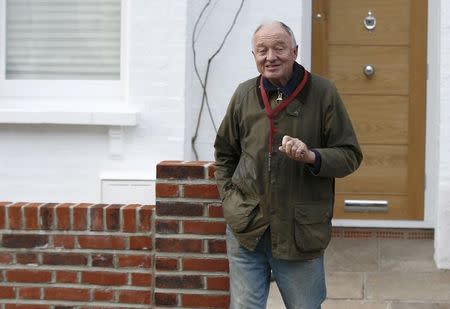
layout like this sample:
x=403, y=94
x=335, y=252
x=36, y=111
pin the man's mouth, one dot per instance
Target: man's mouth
x=272, y=66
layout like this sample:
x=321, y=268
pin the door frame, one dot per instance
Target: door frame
x=430, y=163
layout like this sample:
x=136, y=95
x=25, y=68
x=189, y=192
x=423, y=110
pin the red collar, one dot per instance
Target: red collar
x=272, y=113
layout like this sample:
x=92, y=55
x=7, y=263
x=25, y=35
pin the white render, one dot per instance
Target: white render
x=105, y=148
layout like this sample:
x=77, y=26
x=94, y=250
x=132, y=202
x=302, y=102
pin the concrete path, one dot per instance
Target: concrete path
x=381, y=274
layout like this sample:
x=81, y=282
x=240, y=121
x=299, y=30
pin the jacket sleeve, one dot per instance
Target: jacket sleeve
x=340, y=152
x=227, y=147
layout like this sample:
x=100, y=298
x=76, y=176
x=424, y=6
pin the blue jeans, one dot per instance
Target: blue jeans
x=301, y=283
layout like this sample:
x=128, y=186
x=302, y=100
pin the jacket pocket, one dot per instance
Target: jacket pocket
x=239, y=210
x=312, y=225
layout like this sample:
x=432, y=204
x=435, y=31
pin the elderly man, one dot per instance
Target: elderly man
x=285, y=137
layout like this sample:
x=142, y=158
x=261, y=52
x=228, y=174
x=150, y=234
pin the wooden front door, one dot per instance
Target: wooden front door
x=375, y=52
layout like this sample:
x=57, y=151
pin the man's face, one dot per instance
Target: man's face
x=274, y=53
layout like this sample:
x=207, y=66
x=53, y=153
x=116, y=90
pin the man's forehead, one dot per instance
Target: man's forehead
x=272, y=31
x=260, y=41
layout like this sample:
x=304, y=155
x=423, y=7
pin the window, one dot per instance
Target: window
x=53, y=50
x=63, y=39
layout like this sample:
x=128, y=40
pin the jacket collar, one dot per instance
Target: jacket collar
x=297, y=75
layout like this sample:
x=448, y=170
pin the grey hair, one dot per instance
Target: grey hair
x=283, y=25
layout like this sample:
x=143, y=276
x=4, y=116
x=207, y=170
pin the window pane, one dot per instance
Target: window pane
x=63, y=39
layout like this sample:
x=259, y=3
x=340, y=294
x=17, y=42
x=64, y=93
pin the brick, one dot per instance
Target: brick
x=70, y=294
x=63, y=216
x=64, y=241
x=31, y=212
x=29, y=276
x=103, y=295
x=135, y=297
x=178, y=245
x=136, y=261
x=3, y=206
x=66, y=277
x=204, y=227
x=179, y=282
x=96, y=307
x=80, y=216
x=26, y=258
x=145, y=218
x=64, y=259
x=113, y=217
x=24, y=241
x=202, y=191
x=166, y=263
x=216, y=246
x=102, y=242
x=30, y=293
x=5, y=258
x=15, y=216
x=167, y=226
x=27, y=306
x=138, y=279
x=166, y=299
x=202, y=264
x=211, y=171
x=129, y=213
x=103, y=260
x=104, y=278
x=206, y=301
x=47, y=216
x=96, y=215
x=7, y=292
x=141, y=243
x=179, y=209
x=218, y=283
x=180, y=170
x=215, y=211
x=167, y=190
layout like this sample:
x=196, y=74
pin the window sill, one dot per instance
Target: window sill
x=114, y=117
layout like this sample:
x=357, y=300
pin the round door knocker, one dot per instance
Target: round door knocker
x=370, y=22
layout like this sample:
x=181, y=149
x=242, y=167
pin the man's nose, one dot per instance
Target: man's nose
x=271, y=55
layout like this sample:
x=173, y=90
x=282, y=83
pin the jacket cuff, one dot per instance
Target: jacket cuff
x=315, y=168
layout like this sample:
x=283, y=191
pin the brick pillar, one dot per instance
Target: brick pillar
x=191, y=267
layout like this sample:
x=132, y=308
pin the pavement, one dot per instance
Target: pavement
x=380, y=274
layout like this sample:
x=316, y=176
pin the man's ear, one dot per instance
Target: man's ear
x=296, y=51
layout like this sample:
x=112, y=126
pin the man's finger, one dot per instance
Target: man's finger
x=285, y=139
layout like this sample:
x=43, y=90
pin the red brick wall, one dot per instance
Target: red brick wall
x=119, y=256
x=190, y=251
x=76, y=256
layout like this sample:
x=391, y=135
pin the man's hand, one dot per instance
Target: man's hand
x=297, y=150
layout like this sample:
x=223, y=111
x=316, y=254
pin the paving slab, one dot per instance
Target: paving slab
x=353, y=304
x=345, y=285
x=407, y=255
x=275, y=301
x=434, y=286
x=353, y=255
x=408, y=305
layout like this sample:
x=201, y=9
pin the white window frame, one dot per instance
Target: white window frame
x=46, y=101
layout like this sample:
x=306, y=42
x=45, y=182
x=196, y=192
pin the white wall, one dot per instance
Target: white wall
x=442, y=228
x=66, y=163
x=234, y=64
